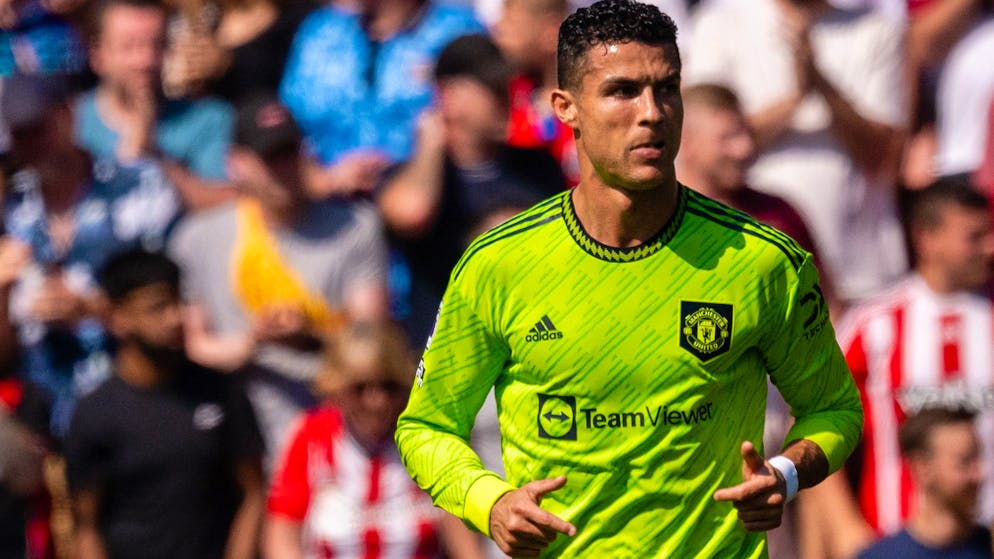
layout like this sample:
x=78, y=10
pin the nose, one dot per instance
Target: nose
x=650, y=107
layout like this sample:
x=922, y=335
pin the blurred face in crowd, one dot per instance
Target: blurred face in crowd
x=950, y=470
x=128, y=53
x=471, y=113
x=716, y=146
x=527, y=34
x=960, y=248
x=43, y=145
x=274, y=181
x=150, y=317
x=371, y=401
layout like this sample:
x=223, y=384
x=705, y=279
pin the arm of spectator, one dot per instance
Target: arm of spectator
x=224, y=352
x=21, y=459
x=410, y=200
x=197, y=193
x=14, y=256
x=934, y=30
x=769, y=123
x=458, y=540
x=874, y=146
x=88, y=542
x=8, y=15
x=356, y=172
x=282, y=538
x=830, y=515
x=59, y=304
x=243, y=537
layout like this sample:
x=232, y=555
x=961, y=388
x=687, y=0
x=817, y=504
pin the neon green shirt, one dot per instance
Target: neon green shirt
x=637, y=373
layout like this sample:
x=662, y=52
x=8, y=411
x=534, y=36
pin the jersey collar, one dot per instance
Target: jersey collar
x=613, y=254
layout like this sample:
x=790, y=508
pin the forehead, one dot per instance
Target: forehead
x=630, y=61
x=119, y=18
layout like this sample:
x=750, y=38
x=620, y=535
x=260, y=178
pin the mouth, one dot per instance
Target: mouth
x=649, y=150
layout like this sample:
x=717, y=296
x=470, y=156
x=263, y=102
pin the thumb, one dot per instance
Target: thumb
x=540, y=488
x=751, y=459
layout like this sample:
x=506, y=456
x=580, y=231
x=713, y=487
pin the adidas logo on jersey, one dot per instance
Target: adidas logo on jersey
x=543, y=330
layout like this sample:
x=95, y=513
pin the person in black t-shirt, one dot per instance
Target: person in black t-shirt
x=462, y=179
x=157, y=454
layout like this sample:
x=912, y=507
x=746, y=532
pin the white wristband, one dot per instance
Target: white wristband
x=786, y=467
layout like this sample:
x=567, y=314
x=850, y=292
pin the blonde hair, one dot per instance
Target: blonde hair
x=363, y=351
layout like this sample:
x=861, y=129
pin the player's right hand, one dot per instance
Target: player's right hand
x=520, y=526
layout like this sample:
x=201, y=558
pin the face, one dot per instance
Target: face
x=150, y=316
x=128, y=53
x=275, y=182
x=951, y=472
x=718, y=146
x=627, y=114
x=471, y=113
x=372, y=405
x=524, y=36
x=961, y=247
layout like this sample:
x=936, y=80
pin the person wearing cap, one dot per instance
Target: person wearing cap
x=64, y=215
x=270, y=273
x=340, y=489
x=463, y=177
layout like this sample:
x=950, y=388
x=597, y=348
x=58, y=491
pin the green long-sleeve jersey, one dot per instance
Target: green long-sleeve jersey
x=636, y=373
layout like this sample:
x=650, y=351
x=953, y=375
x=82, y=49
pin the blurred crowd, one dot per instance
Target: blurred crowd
x=227, y=226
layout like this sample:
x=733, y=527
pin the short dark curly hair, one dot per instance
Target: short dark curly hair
x=608, y=21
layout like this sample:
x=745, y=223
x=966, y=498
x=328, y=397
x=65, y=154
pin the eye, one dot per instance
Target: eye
x=624, y=91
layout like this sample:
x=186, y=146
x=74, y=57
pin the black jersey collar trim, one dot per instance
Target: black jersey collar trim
x=630, y=254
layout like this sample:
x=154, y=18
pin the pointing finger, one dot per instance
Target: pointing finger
x=753, y=461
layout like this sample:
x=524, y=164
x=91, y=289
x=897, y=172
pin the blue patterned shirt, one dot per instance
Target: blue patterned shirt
x=348, y=92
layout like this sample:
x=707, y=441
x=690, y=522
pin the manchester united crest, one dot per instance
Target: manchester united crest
x=707, y=328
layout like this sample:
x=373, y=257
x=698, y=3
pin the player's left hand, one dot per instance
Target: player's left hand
x=761, y=495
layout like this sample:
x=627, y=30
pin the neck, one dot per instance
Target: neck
x=938, y=281
x=385, y=18
x=136, y=368
x=937, y=526
x=624, y=218
x=469, y=154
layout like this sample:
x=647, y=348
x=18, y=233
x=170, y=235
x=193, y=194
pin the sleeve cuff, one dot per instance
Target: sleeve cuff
x=481, y=497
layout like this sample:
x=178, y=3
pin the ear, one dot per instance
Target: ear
x=564, y=105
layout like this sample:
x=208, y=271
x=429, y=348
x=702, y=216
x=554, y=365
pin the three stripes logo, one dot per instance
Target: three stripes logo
x=543, y=330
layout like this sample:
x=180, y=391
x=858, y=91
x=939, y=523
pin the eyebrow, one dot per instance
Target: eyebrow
x=615, y=81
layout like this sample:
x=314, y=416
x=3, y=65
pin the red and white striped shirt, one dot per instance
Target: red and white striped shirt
x=908, y=349
x=351, y=504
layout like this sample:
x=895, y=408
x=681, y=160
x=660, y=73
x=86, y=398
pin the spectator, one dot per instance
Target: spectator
x=926, y=341
x=245, y=55
x=942, y=451
x=126, y=118
x=716, y=149
x=825, y=95
x=36, y=39
x=527, y=33
x=359, y=110
x=271, y=273
x=181, y=476
x=341, y=489
x=24, y=439
x=68, y=216
x=984, y=175
x=964, y=92
x=461, y=175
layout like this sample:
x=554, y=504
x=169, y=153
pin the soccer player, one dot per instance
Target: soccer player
x=628, y=327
